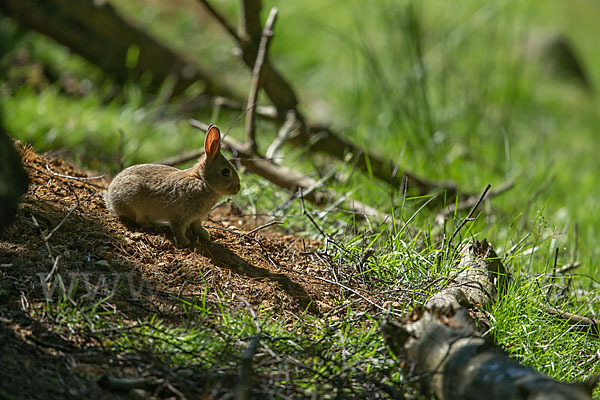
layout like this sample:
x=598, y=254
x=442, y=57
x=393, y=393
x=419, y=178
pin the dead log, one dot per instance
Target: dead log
x=96, y=31
x=458, y=365
x=475, y=281
x=453, y=359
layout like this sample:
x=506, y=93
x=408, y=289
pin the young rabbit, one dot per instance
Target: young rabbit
x=150, y=193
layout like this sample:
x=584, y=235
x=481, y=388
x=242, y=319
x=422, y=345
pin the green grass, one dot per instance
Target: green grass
x=445, y=89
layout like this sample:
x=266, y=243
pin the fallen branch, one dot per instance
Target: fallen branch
x=276, y=86
x=584, y=324
x=294, y=181
x=449, y=354
x=79, y=24
x=475, y=281
x=456, y=364
x=568, y=268
x=318, y=138
x=282, y=176
x=324, y=140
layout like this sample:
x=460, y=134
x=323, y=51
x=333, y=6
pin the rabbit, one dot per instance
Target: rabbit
x=153, y=193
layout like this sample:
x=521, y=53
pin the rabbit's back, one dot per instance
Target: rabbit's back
x=154, y=192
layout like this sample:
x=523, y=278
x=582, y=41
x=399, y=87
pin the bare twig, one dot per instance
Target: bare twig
x=468, y=203
x=265, y=226
x=585, y=324
x=257, y=78
x=290, y=124
x=268, y=113
x=568, y=267
x=71, y=211
x=53, y=271
x=516, y=246
x=292, y=180
x=77, y=178
x=277, y=87
x=468, y=217
x=284, y=98
x=44, y=237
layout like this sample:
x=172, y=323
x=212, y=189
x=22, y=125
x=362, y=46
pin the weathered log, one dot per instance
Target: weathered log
x=455, y=361
x=459, y=365
x=474, y=282
x=96, y=31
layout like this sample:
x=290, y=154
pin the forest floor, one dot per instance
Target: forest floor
x=64, y=246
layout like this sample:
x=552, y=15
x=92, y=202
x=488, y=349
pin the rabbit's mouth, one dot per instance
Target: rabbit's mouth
x=232, y=189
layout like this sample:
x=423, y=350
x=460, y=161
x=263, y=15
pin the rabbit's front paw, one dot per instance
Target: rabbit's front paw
x=182, y=241
x=200, y=232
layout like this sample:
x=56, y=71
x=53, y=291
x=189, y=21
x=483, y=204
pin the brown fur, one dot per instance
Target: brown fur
x=151, y=193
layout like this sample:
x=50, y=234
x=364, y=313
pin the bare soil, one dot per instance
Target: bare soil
x=64, y=235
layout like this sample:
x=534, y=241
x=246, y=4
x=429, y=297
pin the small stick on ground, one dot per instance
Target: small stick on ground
x=76, y=178
x=568, y=267
x=71, y=211
x=264, y=226
x=584, y=324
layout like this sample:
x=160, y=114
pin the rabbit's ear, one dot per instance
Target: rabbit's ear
x=212, y=144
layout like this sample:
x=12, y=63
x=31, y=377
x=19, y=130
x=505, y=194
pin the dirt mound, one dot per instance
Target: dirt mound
x=64, y=246
x=63, y=229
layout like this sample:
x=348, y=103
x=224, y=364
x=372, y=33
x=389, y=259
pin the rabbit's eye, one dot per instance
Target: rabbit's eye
x=225, y=172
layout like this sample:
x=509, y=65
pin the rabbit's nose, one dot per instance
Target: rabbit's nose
x=235, y=188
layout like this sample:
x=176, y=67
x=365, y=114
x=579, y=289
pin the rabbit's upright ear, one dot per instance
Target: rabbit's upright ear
x=212, y=144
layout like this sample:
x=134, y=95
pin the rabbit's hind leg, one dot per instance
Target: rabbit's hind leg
x=143, y=221
x=131, y=218
x=178, y=229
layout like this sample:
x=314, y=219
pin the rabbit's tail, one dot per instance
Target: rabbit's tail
x=108, y=203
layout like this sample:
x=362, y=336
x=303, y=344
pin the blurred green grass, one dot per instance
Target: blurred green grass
x=444, y=88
